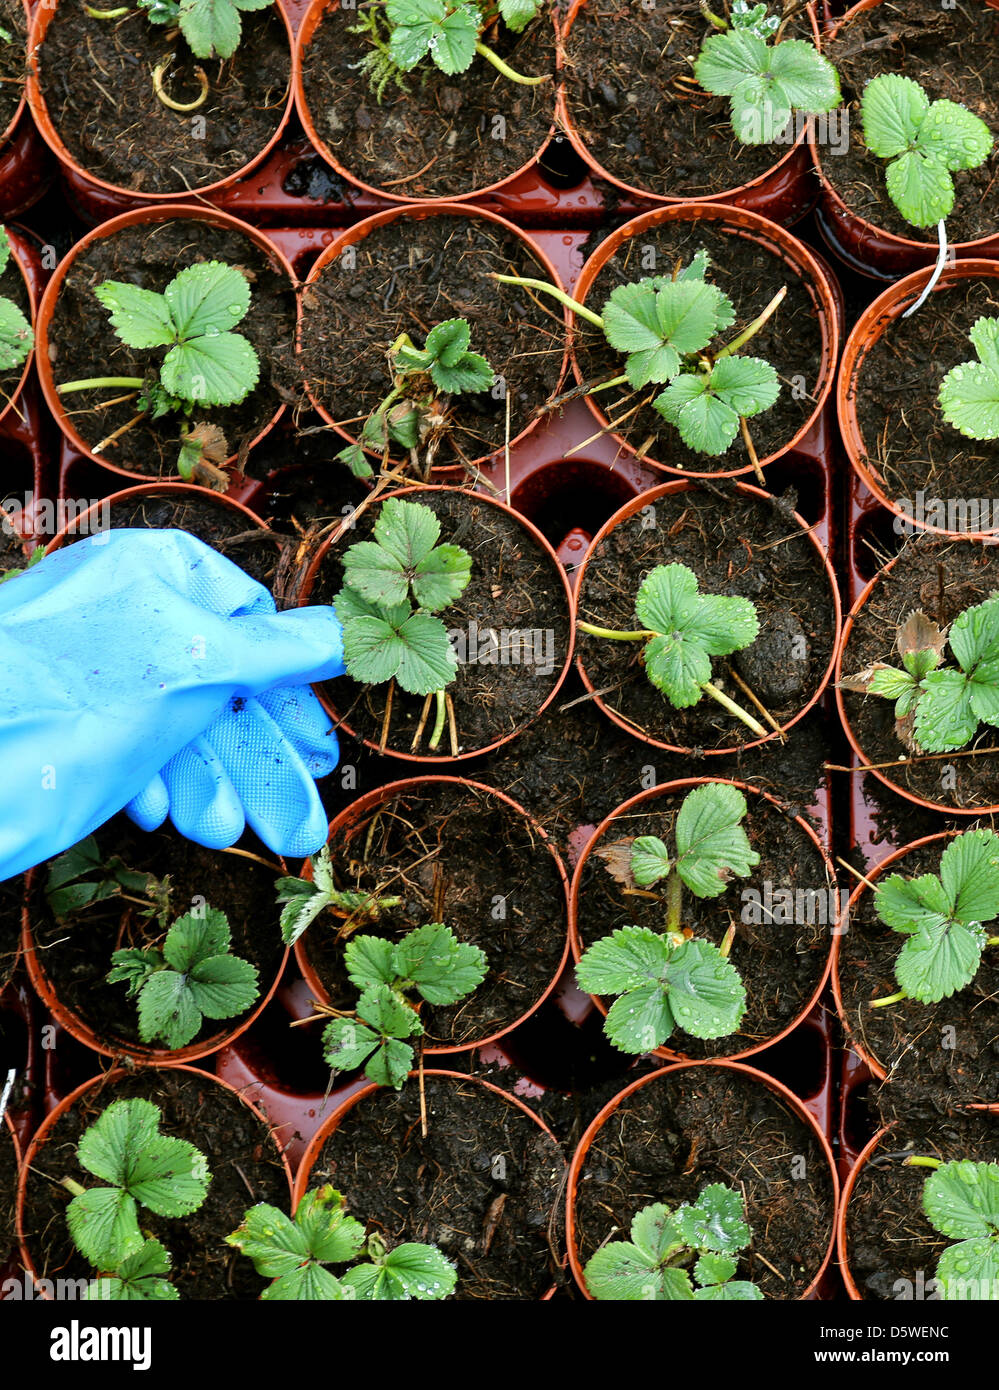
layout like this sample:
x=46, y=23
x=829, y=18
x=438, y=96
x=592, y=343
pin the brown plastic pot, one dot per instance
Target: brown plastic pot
x=480, y=498
x=108, y=1079
x=879, y=773
x=583, y=1148
x=347, y=825
x=358, y=1097
x=25, y=163
x=641, y=800
x=110, y=197
x=870, y=1061
x=794, y=255
x=310, y=23
x=625, y=513
x=144, y=216
x=867, y=248
x=98, y=517
x=783, y=193
x=358, y=232
x=842, y=1245
x=867, y=332
x=21, y=255
x=139, y=1053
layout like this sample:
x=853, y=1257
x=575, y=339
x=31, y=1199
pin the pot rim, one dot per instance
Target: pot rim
x=192, y=490
x=19, y=254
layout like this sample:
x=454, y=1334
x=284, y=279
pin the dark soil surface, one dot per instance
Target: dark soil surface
x=96, y=80
x=76, y=967
x=907, y=443
x=942, y=578
x=13, y=287
x=946, y=1052
x=743, y=546
x=458, y=858
x=781, y=961
x=242, y=1159
x=889, y=1239
x=750, y=274
x=254, y=549
x=448, y=135
x=12, y=60
x=953, y=53
x=407, y=277
x=8, y=1191
x=642, y=122
x=82, y=343
x=514, y=585
x=485, y=1185
x=11, y=895
x=683, y=1131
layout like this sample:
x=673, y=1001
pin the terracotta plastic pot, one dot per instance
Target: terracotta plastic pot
x=348, y=824
x=108, y=1079
x=26, y=167
x=867, y=332
x=842, y=1247
x=97, y=517
x=22, y=258
x=878, y=772
x=873, y=1065
x=310, y=23
x=631, y=509
x=146, y=216
x=770, y=1082
x=109, y=198
x=342, y=1111
x=358, y=232
x=783, y=193
x=867, y=248
x=141, y=1053
x=323, y=691
x=792, y=253
x=642, y=800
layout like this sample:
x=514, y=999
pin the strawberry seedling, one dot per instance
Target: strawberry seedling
x=16, y=336
x=205, y=364
x=38, y=553
x=430, y=962
x=141, y=1277
x=961, y=1201
x=304, y=899
x=80, y=878
x=969, y=393
x=668, y=1247
x=294, y=1254
x=668, y=979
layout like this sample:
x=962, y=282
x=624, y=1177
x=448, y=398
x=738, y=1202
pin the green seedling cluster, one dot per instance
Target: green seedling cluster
x=684, y=1255
x=669, y=979
x=295, y=1253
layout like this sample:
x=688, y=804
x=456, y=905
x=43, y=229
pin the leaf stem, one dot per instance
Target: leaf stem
x=937, y=270
x=621, y=380
x=558, y=294
x=107, y=14
x=888, y=999
x=71, y=1185
x=486, y=52
x=735, y=709
x=159, y=72
x=674, y=901
x=98, y=383
x=439, y=718
x=917, y=1161
x=614, y=634
x=754, y=328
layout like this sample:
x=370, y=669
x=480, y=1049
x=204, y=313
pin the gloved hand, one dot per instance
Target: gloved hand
x=141, y=669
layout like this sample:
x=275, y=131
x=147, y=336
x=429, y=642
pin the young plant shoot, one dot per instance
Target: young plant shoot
x=16, y=337
x=304, y=899
x=430, y=962
x=80, y=878
x=405, y=33
x=141, y=1277
x=668, y=1247
x=766, y=79
x=668, y=979
x=939, y=708
x=926, y=142
x=205, y=364
x=941, y=917
x=394, y=586
x=139, y=1167
x=192, y=978
x=961, y=1201
x=666, y=329
x=294, y=1254
x=683, y=629
x=38, y=553
x=969, y=394
x=412, y=415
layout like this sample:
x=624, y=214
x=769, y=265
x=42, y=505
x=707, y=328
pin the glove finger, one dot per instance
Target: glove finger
x=204, y=805
x=297, y=712
x=151, y=807
x=273, y=782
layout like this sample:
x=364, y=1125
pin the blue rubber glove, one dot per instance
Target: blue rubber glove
x=141, y=669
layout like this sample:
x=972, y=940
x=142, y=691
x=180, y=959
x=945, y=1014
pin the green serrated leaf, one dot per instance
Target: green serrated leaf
x=961, y=1199
x=747, y=385
x=331, y=1235
x=892, y=109
x=706, y=995
x=945, y=718
x=167, y=1011
x=441, y=577
x=223, y=986
x=388, y=1013
x=939, y=959
x=139, y=1278
x=969, y=873
x=194, y=938
x=626, y=959
x=308, y=1283
x=712, y=845
x=16, y=337
x=104, y=1225
x=409, y=1271
x=642, y=1019
x=442, y=968
x=218, y=370
x=471, y=374
x=448, y=342
x=906, y=905
x=347, y=1044
x=650, y=860
x=517, y=14
x=209, y=297
x=716, y=1221
x=212, y=28
x=369, y=961
x=141, y=318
